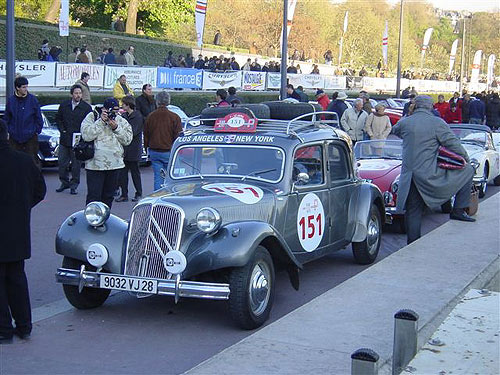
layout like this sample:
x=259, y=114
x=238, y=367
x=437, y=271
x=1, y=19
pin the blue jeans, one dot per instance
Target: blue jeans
x=474, y=120
x=159, y=160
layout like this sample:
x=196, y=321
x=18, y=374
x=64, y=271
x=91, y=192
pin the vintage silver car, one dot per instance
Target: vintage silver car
x=241, y=201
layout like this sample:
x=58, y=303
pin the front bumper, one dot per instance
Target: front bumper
x=391, y=213
x=478, y=180
x=176, y=288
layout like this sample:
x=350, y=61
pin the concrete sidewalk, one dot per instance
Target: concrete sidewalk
x=429, y=276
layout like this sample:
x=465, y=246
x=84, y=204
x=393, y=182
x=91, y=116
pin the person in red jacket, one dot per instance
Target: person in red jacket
x=441, y=106
x=322, y=99
x=453, y=115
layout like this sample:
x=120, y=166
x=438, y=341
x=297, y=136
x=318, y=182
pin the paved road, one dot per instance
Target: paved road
x=152, y=335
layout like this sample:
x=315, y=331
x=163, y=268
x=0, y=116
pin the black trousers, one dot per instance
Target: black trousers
x=67, y=156
x=415, y=207
x=30, y=147
x=133, y=167
x=14, y=299
x=101, y=185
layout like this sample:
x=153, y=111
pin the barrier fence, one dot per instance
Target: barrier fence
x=54, y=74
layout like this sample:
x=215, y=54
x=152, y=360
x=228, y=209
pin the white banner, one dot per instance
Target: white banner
x=307, y=81
x=289, y=19
x=425, y=44
x=216, y=81
x=254, y=81
x=476, y=86
x=384, y=84
x=453, y=53
x=491, y=66
x=136, y=76
x=273, y=80
x=385, y=40
x=38, y=73
x=476, y=66
x=339, y=82
x=346, y=21
x=434, y=86
x=64, y=18
x=68, y=74
x=199, y=13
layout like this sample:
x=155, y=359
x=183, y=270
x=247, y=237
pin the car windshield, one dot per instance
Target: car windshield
x=394, y=104
x=246, y=162
x=379, y=149
x=471, y=136
x=50, y=118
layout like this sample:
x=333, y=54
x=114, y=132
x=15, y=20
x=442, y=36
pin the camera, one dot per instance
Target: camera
x=111, y=115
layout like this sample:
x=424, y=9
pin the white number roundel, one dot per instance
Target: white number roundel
x=310, y=222
x=247, y=194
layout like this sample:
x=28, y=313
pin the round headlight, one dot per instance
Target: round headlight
x=53, y=142
x=395, y=185
x=208, y=220
x=96, y=213
x=474, y=163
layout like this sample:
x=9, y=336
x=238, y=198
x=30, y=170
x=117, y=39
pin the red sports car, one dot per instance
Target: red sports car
x=379, y=162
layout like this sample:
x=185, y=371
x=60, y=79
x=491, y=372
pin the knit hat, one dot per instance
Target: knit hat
x=319, y=92
x=110, y=103
x=424, y=101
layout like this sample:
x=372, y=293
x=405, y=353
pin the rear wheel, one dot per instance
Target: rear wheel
x=252, y=290
x=89, y=298
x=366, y=252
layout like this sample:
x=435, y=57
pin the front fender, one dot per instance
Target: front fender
x=75, y=236
x=359, y=211
x=232, y=246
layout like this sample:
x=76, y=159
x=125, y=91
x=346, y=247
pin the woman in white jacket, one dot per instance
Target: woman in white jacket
x=378, y=124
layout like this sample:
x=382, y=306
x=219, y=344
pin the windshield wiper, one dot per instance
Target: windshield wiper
x=194, y=168
x=258, y=172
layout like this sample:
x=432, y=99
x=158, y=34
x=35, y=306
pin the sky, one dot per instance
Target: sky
x=469, y=5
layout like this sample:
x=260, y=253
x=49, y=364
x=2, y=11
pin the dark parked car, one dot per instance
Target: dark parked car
x=48, y=141
x=240, y=201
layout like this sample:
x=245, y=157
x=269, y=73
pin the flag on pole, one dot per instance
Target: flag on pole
x=64, y=18
x=476, y=65
x=453, y=53
x=491, y=65
x=425, y=44
x=385, y=40
x=291, y=11
x=346, y=20
x=200, y=11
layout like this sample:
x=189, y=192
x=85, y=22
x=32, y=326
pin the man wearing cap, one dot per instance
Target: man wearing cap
x=338, y=105
x=24, y=119
x=21, y=189
x=367, y=105
x=422, y=183
x=110, y=132
x=161, y=129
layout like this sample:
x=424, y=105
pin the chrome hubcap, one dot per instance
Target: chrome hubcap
x=259, y=288
x=373, y=234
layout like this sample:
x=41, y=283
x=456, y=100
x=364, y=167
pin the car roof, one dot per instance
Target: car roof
x=478, y=127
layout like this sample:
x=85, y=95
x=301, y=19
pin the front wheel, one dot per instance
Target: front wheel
x=252, y=290
x=366, y=252
x=89, y=298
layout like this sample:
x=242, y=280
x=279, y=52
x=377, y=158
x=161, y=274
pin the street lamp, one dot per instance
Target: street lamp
x=400, y=50
x=284, y=51
x=11, y=53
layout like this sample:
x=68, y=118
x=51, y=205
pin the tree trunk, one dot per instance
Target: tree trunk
x=131, y=26
x=53, y=12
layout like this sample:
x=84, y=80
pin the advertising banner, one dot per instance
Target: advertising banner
x=64, y=18
x=476, y=66
x=214, y=81
x=136, y=76
x=273, y=81
x=200, y=12
x=38, y=73
x=382, y=84
x=253, y=81
x=453, y=53
x=434, y=86
x=68, y=74
x=332, y=82
x=491, y=70
x=179, y=78
x=308, y=81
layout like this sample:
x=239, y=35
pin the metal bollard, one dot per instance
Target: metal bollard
x=405, y=339
x=364, y=362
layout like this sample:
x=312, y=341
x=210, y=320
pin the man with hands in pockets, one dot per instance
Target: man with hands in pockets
x=109, y=132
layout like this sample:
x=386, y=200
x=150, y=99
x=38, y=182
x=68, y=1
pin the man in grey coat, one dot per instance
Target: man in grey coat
x=422, y=183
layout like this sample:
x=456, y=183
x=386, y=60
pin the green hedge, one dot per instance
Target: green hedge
x=29, y=39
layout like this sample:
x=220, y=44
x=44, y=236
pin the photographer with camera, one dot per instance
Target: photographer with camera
x=109, y=132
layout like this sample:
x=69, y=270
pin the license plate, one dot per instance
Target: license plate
x=131, y=284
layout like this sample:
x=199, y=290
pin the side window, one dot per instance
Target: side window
x=309, y=160
x=338, y=163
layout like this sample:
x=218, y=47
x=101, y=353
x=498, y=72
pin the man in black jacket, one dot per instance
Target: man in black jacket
x=69, y=118
x=21, y=189
x=146, y=103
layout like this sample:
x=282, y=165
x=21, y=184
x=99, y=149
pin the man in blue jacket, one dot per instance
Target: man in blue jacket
x=24, y=119
x=477, y=110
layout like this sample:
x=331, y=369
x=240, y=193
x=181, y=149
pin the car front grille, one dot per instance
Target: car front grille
x=155, y=230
